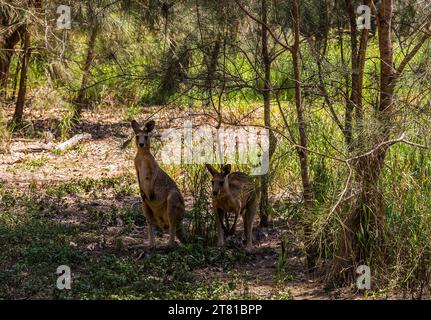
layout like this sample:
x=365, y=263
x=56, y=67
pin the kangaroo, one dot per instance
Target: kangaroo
x=162, y=201
x=233, y=192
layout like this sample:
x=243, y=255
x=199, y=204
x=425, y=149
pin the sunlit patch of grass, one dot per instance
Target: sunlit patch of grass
x=131, y=112
x=81, y=149
x=33, y=164
x=122, y=186
x=67, y=122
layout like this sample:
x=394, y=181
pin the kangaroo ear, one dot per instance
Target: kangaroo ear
x=211, y=169
x=226, y=169
x=136, y=127
x=149, y=126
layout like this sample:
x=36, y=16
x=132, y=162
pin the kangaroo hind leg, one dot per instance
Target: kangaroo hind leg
x=148, y=213
x=221, y=229
x=175, y=213
x=249, y=216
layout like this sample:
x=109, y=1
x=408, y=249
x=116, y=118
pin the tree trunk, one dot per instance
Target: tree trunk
x=80, y=99
x=212, y=67
x=368, y=215
x=361, y=70
x=357, y=77
x=20, y=102
x=177, y=64
x=387, y=70
x=266, y=93
x=15, y=78
x=8, y=46
x=4, y=71
x=351, y=102
x=364, y=226
x=303, y=143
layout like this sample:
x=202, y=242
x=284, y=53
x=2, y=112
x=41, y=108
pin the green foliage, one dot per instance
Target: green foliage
x=34, y=163
x=159, y=53
x=131, y=112
x=202, y=227
x=122, y=186
x=67, y=122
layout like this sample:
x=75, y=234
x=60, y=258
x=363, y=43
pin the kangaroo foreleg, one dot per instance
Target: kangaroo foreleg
x=175, y=213
x=150, y=222
x=250, y=213
x=221, y=229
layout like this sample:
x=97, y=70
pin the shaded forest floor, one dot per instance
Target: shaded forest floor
x=80, y=209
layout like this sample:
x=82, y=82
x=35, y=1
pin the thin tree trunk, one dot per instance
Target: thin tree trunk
x=212, y=66
x=387, y=69
x=303, y=143
x=361, y=70
x=177, y=64
x=20, y=102
x=302, y=150
x=266, y=93
x=80, y=100
x=358, y=67
x=6, y=57
x=15, y=78
x=4, y=71
x=351, y=102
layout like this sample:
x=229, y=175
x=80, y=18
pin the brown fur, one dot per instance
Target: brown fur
x=162, y=201
x=233, y=193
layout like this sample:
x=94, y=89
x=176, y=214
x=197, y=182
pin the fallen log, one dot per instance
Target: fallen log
x=40, y=147
x=72, y=142
x=33, y=148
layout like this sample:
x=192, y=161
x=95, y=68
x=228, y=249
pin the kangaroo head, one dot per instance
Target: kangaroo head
x=143, y=133
x=218, y=180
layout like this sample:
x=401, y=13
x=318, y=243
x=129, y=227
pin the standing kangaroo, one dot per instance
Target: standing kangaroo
x=162, y=201
x=233, y=192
